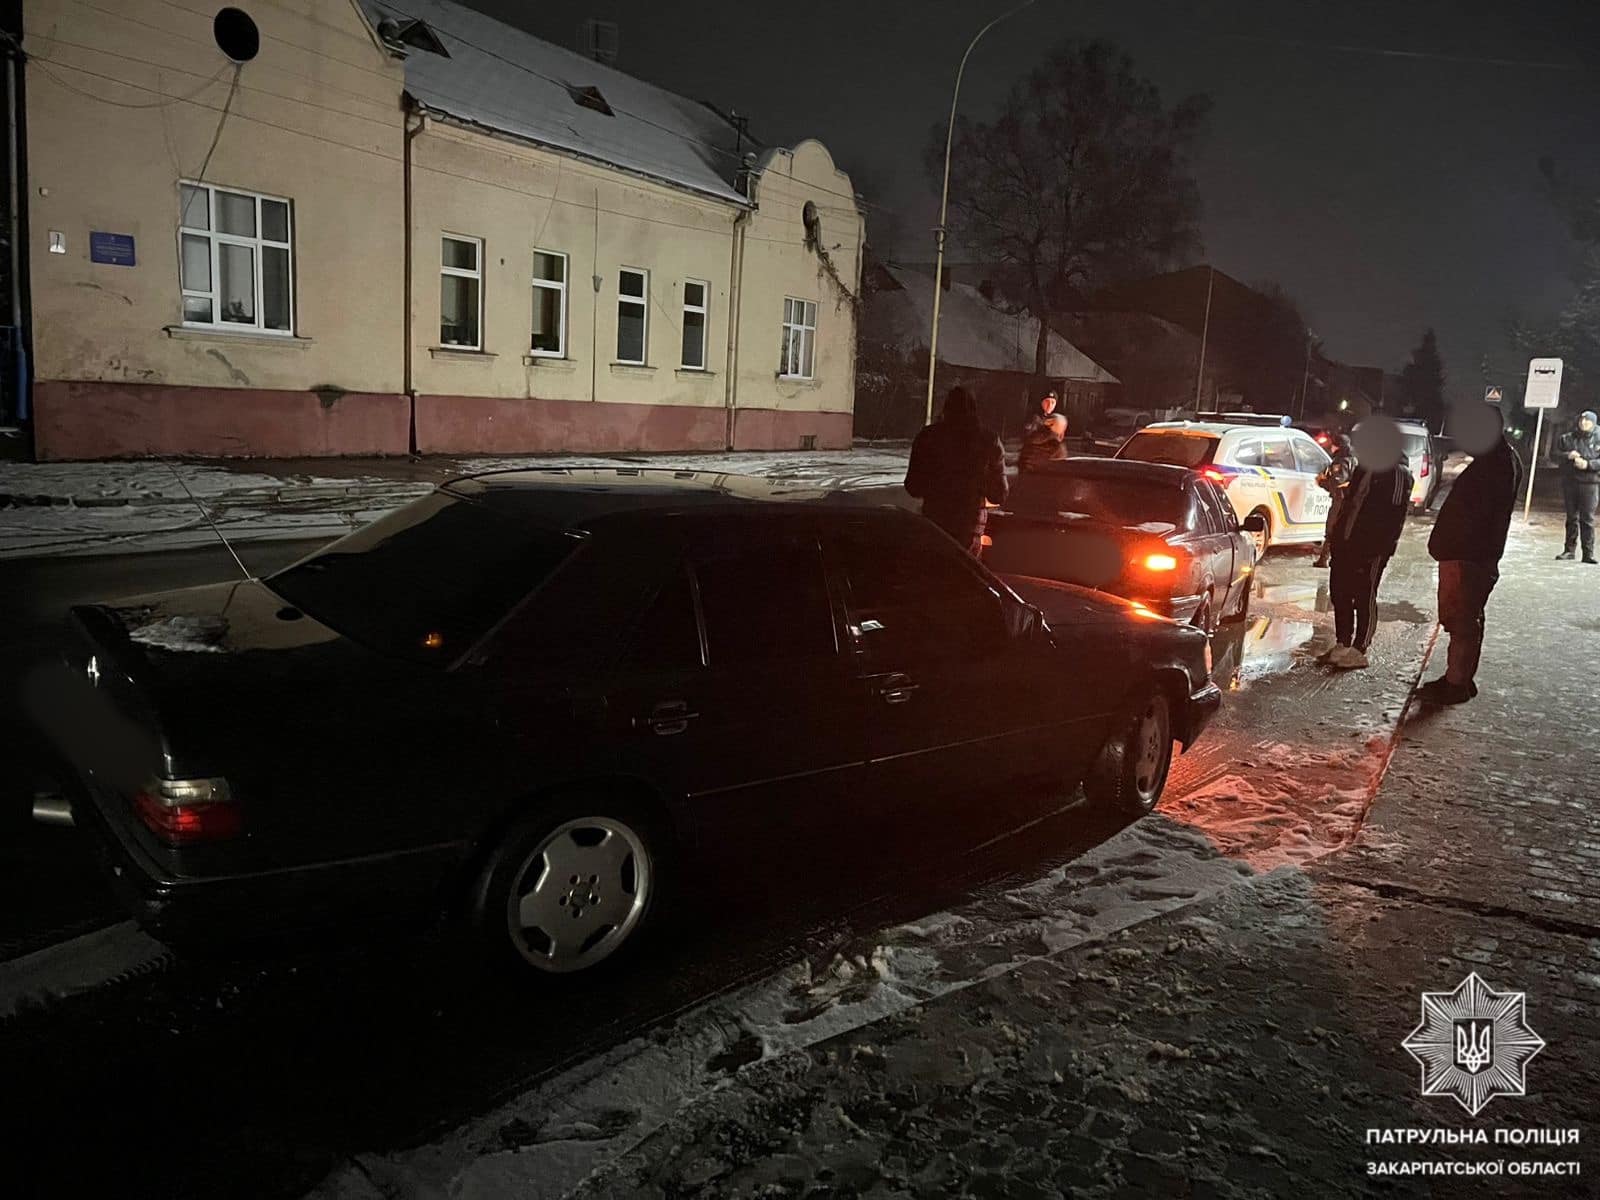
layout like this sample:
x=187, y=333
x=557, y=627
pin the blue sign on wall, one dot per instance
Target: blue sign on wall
x=113, y=248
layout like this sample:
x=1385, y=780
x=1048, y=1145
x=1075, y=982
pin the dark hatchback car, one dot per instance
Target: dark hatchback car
x=1158, y=534
x=538, y=697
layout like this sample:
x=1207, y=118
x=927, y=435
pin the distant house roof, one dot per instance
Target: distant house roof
x=507, y=80
x=972, y=332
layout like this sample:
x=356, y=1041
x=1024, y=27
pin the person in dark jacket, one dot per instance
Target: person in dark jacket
x=1335, y=480
x=1045, y=443
x=1578, y=451
x=1469, y=538
x=956, y=467
x=1042, y=414
x=1362, y=536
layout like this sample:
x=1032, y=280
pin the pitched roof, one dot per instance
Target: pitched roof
x=972, y=332
x=505, y=79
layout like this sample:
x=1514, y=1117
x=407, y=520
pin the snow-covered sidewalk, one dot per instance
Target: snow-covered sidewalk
x=119, y=508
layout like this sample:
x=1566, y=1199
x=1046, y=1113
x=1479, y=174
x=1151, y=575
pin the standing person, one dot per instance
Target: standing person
x=1046, y=410
x=1334, y=479
x=1468, y=540
x=956, y=467
x=1363, y=532
x=1046, y=443
x=1579, y=452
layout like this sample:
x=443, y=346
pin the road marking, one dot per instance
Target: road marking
x=77, y=965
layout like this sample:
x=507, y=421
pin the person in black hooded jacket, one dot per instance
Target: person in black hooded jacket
x=956, y=466
x=1363, y=534
x=1578, y=452
x=1469, y=538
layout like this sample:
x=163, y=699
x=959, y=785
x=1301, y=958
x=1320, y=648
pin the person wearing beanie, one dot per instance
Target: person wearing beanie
x=1578, y=452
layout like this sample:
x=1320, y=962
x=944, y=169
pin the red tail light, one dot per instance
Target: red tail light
x=1423, y=474
x=181, y=811
x=1216, y=475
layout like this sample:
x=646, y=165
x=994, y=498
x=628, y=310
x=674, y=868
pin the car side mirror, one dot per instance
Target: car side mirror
x=1254, y=523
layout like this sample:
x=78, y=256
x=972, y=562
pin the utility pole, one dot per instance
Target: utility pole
x=944, y=205
x=1205, y=330
x=1305, y=377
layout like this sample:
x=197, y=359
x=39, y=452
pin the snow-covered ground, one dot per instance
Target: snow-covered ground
x=102, y=508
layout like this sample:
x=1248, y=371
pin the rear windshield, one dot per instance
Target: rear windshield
x=426, y=581
x=1122, y=502
x=1170, y=446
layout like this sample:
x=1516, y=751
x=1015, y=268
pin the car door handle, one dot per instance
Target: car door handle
x=667, y=718
x=897, y=689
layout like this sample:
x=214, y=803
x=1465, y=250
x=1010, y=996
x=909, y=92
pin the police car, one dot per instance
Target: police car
x=1264, y=466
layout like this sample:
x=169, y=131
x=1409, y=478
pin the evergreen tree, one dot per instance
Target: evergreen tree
x=1423, y=382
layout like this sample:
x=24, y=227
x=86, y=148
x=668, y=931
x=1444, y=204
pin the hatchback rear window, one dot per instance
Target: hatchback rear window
x=426, y=581
x=1163, y=446
x=1121, y=502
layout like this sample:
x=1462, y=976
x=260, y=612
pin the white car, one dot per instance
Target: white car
x=1266, y=470
x=1422, y=461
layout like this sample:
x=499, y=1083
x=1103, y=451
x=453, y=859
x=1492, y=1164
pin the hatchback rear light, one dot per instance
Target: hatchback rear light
x=1426, y=462
x=181, y=811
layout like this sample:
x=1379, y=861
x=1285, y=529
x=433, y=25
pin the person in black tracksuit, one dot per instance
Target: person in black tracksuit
x=1578, y=452
x=1362, y=538
x=956, y=465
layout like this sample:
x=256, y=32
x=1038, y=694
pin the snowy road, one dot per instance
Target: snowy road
x=350, y=1056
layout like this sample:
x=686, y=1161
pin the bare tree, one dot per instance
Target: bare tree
x=1084, y=177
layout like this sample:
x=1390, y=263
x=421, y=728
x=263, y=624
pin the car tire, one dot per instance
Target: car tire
x=1130, y=771
x=606, y=859
x=1263, y=540
x=1241, y=611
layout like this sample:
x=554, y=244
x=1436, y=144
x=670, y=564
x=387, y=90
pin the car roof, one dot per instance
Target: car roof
x=1413, y=427
x=1163, y=474
x=1219, y=428
x=574, y=497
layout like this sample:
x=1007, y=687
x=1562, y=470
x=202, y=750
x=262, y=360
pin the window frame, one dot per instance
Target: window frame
x=643, y=302
x=1310, y=447
x=461, y=273
x=804, y=361
x=537, y=285
x=1283, y=446
x=215, y=239
x=704, y=311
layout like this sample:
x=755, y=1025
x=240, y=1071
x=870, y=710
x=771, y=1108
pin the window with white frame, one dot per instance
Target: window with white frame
x=799, y=338
x=633, y=315
x=696, y=303
x=461, y=292
x=549, y=304
x=236, y=260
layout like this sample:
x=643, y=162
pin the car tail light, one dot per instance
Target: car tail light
x=180, y=811
x=985, y=540
x=1214, y=474
x=1160, y=562
x=1322, y=439
x=1426, y=462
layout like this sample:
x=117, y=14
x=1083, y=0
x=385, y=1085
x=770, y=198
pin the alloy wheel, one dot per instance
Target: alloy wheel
x=580, y=894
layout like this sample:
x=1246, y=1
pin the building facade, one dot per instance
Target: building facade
x=319, y=228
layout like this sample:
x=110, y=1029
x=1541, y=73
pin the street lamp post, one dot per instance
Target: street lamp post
x=1305, y=377
x=944, y=202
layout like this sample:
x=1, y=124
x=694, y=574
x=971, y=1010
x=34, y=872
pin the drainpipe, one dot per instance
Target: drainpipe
x=14, y=233
x=410, y=390
x=730, y=388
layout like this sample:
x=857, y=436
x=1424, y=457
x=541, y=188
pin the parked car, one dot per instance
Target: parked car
x=542, y=698
x=1267, y=471
x=1162, y=535
x=1425, y=463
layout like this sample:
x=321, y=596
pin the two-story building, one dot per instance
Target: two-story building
x=328, y=228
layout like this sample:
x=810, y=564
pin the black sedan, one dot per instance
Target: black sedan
x=541, y=698
x=1157, y=534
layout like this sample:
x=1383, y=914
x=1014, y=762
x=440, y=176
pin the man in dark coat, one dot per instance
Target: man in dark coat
x=956, y=465
x=1335, y=480
x=1578, y=452
x=1046, y=442
x=1468, y=540
x=1362, y=536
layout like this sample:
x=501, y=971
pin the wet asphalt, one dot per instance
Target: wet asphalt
x=257, y=1075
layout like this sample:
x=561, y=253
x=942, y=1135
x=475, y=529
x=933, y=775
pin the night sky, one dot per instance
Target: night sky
x=1385, y=192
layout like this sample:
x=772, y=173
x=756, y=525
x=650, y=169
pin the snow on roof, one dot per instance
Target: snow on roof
x=974, y=333
x=505, y=79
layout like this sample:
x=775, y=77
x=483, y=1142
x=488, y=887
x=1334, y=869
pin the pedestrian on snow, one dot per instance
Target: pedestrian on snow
x=1046, y=443
x=956, y=467
x=1334, y=479
x=1468, y=540
x=1362, y=535
x=1579, y=452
